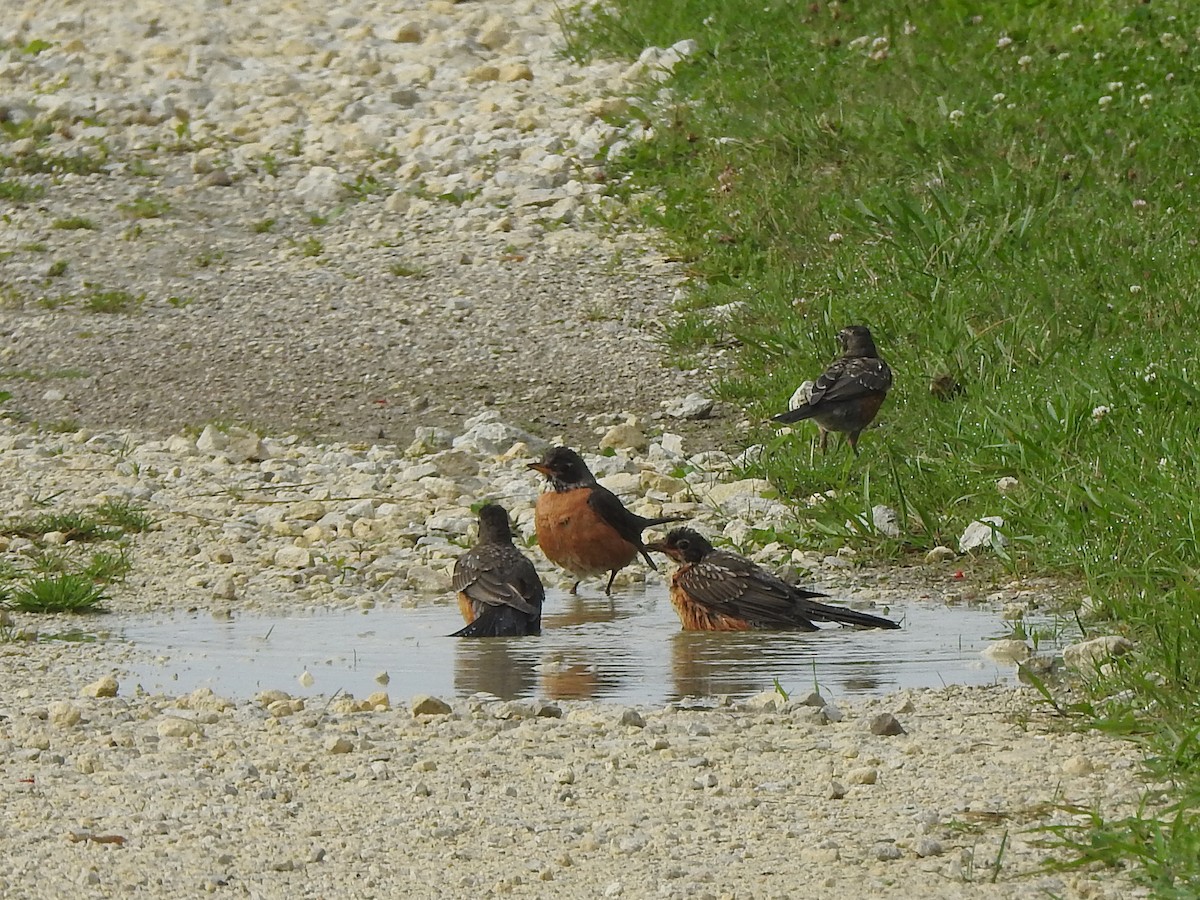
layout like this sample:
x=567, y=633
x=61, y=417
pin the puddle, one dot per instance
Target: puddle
x=629, y=651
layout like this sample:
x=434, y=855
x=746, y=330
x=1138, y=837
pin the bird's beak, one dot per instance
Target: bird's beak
x=659, y=547
x=540, y=467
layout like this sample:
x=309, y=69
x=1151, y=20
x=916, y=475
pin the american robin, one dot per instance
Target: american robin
x=848, y=394
x=499, y=592
x=581, y=525
x=716, y=590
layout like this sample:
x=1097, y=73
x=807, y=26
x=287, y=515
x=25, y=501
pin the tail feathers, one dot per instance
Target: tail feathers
x=803, y=411
x=823, y=612
x=501, y=621
x=662, y=520
x=650, y=523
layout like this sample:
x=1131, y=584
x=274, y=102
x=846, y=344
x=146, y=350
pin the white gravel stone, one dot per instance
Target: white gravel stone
x=1085, y=656
x=64, y=714
x=102, y=687
x=178, y=727
x=983, y=534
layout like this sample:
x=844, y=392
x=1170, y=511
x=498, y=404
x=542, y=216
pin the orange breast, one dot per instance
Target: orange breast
x=573, y=536
x=466, y=606
x=697, y=617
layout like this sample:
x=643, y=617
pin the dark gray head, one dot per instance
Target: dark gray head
x=493, y=525
x=856, y=340
x=683, y=545
x=564, y=468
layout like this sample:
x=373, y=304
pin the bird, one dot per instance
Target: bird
x=848, y=394
x=499, y=592
x=582, y=526
x=717, y=590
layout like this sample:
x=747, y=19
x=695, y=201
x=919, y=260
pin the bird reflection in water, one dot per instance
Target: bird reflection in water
x=580, y=611
x=510, y=668
x=705, y=664
x=505, y=667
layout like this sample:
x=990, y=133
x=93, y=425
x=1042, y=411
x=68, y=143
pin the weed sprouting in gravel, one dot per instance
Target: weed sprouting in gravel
x=58, y=593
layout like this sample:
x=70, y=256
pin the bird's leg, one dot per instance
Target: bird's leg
x=824, y=439
x=853, y=438
x=611, y=579
x=574, y=589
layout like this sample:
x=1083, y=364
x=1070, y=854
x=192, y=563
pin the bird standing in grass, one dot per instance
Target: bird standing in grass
x=847, y=395
x=717, y=590
x=581, y=525
x=499, y=592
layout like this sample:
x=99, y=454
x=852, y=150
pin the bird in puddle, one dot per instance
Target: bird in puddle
x=582, y=526
x=499, y=592
x=717, y=590
x=846, y=397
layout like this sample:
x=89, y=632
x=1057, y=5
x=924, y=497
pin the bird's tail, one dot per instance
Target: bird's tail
x=804, y=411
x=824, y=612
x=662, y=520
x=501, y=621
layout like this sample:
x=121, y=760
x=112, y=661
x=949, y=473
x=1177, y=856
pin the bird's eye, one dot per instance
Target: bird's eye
x=683, y=545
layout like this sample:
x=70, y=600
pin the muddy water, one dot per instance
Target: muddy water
x=629, y=650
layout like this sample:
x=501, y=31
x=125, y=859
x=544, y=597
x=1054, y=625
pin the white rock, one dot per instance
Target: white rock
x=178, y=727
x=625, y=484
x=486, y=435
x=424, y=705
x=886, y=521
x=983, y=533
x=338, y=744
x=1086, y=656
x=63, y=714
x=103, y=687
x=1007, y=650
x=236, y=444
x=293, y=558
x=940, y=554
x=693, y=406
x=1007, y=484
x=322, y=186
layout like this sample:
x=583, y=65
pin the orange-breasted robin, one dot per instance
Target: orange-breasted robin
x=717, y=590
x=499, y=592
x=848, y=394
x=581, y=525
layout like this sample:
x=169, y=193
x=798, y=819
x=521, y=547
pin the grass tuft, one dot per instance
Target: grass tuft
x=59, y=593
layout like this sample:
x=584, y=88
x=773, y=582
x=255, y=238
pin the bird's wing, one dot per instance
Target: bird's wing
x=851, y=377
x=499, y=574
x=609, y=508
x=734, y=586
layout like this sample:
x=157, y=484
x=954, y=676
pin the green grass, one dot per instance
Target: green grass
x=1001, y=191
x=19, y=192
x=59, y=593
x=75, y=526
x=129, y=517
x=100, y=300
x=74, y=223
x=145, y=207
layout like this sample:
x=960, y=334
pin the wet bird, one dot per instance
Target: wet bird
x=499, y=592
x=717, y=590
x=848, y=394
x=582, y=526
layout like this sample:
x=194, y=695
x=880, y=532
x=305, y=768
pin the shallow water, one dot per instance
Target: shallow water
x=630, y=650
